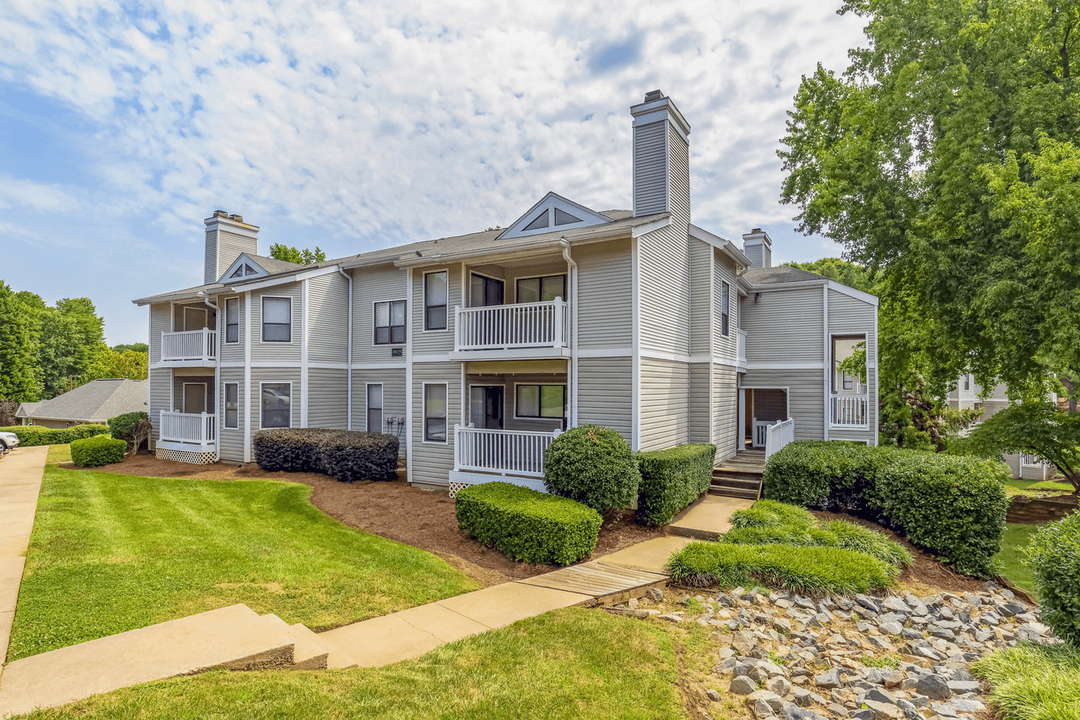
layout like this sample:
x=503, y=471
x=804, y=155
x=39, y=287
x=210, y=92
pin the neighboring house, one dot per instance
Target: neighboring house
x=477, y=350
x=94, y=402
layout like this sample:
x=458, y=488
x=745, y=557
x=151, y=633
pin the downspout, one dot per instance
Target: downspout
x=217, y=377
x=573, y=331
x=348, y=391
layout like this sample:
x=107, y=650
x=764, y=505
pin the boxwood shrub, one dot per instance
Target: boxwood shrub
x=347, y=455
x=528, y=525
x=97, y=451
x=1054, y=558
x=593, y=465
x=672, y=479
x=31, y=435
x=952, y=506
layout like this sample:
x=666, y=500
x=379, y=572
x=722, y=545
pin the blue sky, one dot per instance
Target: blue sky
x=354, y=126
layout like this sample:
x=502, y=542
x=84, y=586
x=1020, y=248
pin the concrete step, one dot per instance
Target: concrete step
x=736, y=482
x=721, y=491
x=232, y=637
x=308, y=652
x=336, y=658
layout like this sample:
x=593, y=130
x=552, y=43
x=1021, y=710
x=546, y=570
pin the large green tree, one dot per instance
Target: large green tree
x=279, y=251
x=18, y=378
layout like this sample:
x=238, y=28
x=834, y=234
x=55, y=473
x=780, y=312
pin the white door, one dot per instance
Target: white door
x=194, y=398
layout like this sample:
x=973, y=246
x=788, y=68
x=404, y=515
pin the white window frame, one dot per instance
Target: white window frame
x=367, y=404
x=725, y=309
x=275, y=382
x=527, y=418
x=225, y=406
x=262, y=320
x=423, y=414
x=225, y=324
x=374, y=320
x=833, y=363
x=423, y=301
x=566, y=283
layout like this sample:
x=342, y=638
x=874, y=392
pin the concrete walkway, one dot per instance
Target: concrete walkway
x=20, y=481
x=707, y=517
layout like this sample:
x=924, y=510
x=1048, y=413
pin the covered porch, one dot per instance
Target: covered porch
x=188, y=432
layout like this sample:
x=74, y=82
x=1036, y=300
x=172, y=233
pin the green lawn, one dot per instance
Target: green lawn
x=111, y=553
x=571, y=663
x=1037, y=487
x=1016, y=538
x=59, y=454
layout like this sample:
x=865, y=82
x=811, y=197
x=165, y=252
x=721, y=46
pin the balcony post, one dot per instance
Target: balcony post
x=558, y=321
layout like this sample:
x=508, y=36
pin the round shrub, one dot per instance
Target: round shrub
x=97, y=451
x=593, y=465
x=1054, y=558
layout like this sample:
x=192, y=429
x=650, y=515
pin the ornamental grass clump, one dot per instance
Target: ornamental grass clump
x=1033, y=682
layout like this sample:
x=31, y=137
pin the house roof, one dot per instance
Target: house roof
x=781, y=274
x=96, y=401
x=273, y=265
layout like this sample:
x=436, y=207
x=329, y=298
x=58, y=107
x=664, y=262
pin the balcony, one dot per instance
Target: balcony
x=850, y=411
x=514, y=456
x=195, y=432
x=522, y=331
x=193, y=348
x=740, y=348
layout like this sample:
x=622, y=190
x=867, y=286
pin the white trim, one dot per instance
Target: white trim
x=149, y=378
x=605, y=352
x=874, y=406
x=231, y=226
x=423, y=411
x=410, y=393
x=635, y=387
x=466, y=407
x=423, y=301
x=785, y=366
x=826, y=362
x=291, y=364
x=276, y=382
x=444, y=357
x=572, y=277
x=723, y=245
x=852, y=292
x=663, y=355
x=566, y=398
x=183, y=398
x=225, y=322
x=646, y=228
x=262, y=320
x=348, y=354
x=549, y=203
x=378, y=366
x=367, y=403
x=225, y=400
x=172, y=317
x=282, y=280
x=247, y=378
x=243, y=259
x=712, y=346
x=185, y=309
x=407, y=333
x=303, y=354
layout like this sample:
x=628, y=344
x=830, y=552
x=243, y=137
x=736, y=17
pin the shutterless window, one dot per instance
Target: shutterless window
x=232, y=405
x=725, y=291
x=967, y=382
x=374, y=408
x=277, y=319
x=276, y=404
x=540, y=401
x=541, y=289
x=435, y=413
x=390, y=323
x=435, y=293
x=232, y=320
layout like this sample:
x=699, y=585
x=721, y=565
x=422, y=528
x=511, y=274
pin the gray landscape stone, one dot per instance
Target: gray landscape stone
x=742, y=685
x=883, y=711
x=890, y=627
x=830, y=679
x=963, y=686
x=879, y=695
x=779, y=685
x=713, y=695
x=743, y=641
x=935, y=687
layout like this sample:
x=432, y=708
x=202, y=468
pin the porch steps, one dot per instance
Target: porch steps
x=740, y=476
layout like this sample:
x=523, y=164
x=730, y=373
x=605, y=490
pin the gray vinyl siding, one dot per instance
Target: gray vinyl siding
x=328, y=320
x=605, y=394
x=275, y=375
x=665, y=398
x=701, y=258
x=854, y=316
x=725, y=347
x=785, y=326
x=650, y=169
x=210, y=258
x=277, y=351
x=434, y=342
x=372, y=285
x=679, y=169
x=605, y=295
x=664, y=282
x=431, y=463
x=222, y=251
x=725, y=411
x=160, y=322
x=700, y=427
x=393, y=382
x=328, y=400
x=231, y=352
x=806, y=397
x=231, y=440
x=160, y=380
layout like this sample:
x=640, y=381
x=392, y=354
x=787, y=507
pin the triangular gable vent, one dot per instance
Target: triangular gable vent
x=553, y=213
x=243, y=268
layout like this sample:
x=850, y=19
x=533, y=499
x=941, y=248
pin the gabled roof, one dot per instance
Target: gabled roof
x=780, y=274
x=553, y=212
x=96, y=401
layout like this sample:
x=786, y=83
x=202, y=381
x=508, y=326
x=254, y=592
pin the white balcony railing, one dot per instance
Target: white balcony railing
x=778, y=435
x=197, y=429
x=189, y=346
x=505, y=327
x=514, y=452
x=740, y=346
x=850, y=411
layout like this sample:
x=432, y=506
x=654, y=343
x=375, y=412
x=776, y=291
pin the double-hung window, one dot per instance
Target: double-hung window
x=374, y=407
x=277, y=319
x=276, y=405
x=435, y=294
x=232, y=405
x=435, y=413
x=546, y=402
x=541, y=289
x=232, y=320
x=725, y=307
x=390, y=323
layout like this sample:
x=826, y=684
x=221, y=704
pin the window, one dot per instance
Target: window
x=390, y=323
x=435, y=291
x=374, y=407
x=725, y=292
x=277, y=319
x=232, y=320
x=276, y=405
x=540, y=401
x=232, y=405
x=967, y=382
x=435, y=413
x=541, y=289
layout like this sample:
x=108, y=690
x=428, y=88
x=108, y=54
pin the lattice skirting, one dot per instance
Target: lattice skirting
x=455, y=486
x=191, y=457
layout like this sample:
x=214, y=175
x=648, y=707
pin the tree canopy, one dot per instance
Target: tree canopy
x=293, y=255
x=842, y=271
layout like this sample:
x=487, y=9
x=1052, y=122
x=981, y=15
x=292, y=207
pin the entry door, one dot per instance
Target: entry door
x=194, y=398
x=485, y=291
x=486, y=406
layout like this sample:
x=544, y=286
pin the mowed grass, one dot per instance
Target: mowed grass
x=111, y=553
x=59, y=454
x=1033, y=682
x=1010, y=556
x=571, y=663
x=1020, y=486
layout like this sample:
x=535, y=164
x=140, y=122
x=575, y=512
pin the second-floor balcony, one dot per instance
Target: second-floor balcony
x=850, y=411
x=523, y=330
x=192, y=348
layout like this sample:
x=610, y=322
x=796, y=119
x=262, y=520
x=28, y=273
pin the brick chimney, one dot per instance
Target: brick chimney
x=757, y=245
x=661, y=158
x=227, y=236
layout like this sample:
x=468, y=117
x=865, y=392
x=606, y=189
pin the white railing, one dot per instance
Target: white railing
x=761, y=431
x=850, y=411
x=189, y=345
x=740, y=346
x=778, y=435
x=514, y=452
x=503, y=327
x=200, y=429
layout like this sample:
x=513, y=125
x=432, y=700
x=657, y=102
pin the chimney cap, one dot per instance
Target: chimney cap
x=757, y=236
x=237, y=218
x=654, y=95
x=220, y=213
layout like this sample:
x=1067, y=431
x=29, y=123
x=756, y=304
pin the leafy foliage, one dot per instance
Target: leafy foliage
x=97, y=451
x=18, y=379
x=1054, y=558
x=672, y=479
x=592, y=465
x=31, y=435
x=844, y=272
x=293, y=255
x=528, y=525
x=347, y=455
x=1036, y=428
x=133, y=428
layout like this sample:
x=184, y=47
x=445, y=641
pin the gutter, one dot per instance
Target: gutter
x=573, y=332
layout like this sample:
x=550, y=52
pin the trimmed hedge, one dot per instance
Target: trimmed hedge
x=528, y=525
x=97, y=451
x=802, y=569
x=346, y=455
x=1054, y=558
x=672, y=479
x=31, y=435
x=594, y=466
x=952, y=506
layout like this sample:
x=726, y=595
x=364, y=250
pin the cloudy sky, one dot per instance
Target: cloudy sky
x=357, y=125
